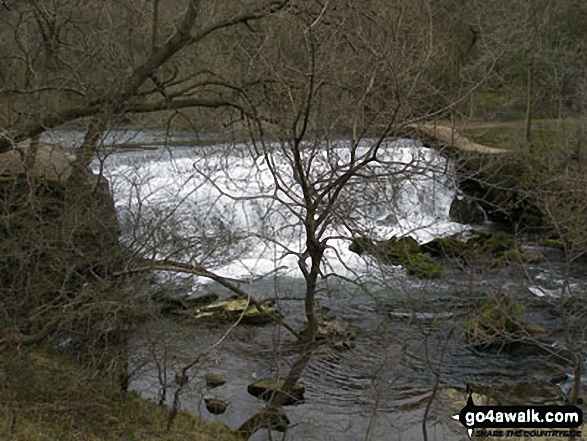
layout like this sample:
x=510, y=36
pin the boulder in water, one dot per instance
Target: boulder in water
x=498, y=323
x=403, y=251
x=266, y=387
x=213, y=380
x=216, y=406
x=233, y=309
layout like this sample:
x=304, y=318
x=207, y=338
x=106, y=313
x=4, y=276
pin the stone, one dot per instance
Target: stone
x=336, y=333
x=179, y=305
x=403, y=251
x=50, y=163
x=213, y=380
x=499, y=324
x=72, y=222
x=232, y=309
x=266, y=387
x=216, y=406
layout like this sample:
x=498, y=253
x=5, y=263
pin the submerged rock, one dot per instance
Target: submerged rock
x=266, y=387
x=336, y=333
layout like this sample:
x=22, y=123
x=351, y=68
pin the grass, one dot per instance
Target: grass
x=546, y=133
x=46, y=395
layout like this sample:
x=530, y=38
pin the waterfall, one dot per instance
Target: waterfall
x=220, y=204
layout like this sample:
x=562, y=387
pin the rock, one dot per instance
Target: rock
x=422, y=266
x=397, y=251
x=451, y=246
x=403, y=251
x=231, y=310
x=179, y=305
x=345, y=344
x=338, y=334
x=51, y=163
x=332, y=328
x=466, y=211
x=266, y=387
x=216, y=406
x=553, y=242
x=496, y=248
x=213, y=380
x=497, y=244
x=499, y=324
x=71, y=227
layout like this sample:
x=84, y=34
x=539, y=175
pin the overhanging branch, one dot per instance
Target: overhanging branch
x=180, y=267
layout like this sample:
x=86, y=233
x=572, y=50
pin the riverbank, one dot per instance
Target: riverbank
x=47, y=395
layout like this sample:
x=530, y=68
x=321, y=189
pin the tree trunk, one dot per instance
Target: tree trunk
x=528, y=133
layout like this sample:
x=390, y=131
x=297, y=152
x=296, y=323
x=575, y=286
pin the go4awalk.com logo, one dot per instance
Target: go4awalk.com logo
x=520, y=421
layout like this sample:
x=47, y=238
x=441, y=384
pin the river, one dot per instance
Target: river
x=217, y=204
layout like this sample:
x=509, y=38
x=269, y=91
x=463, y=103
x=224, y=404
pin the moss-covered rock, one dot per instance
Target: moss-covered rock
x=451, y=246
x=554, y=242
x=406, y=251
x=496, y=249
x=232, y=309
x=497, y=244
x=498, y=322
x=213, y=380
x=423, y=266
x=397, y=251
x=403, y=251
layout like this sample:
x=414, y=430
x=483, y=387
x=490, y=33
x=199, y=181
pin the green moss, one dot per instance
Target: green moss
x=404, y=251
x=498, y=244
x=451, y=246
x=422, y=266
x=496, y=248
x=397, y=251
x=554, y=243
x=498, y=319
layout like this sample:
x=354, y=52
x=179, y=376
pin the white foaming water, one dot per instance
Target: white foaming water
x=239, y=213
